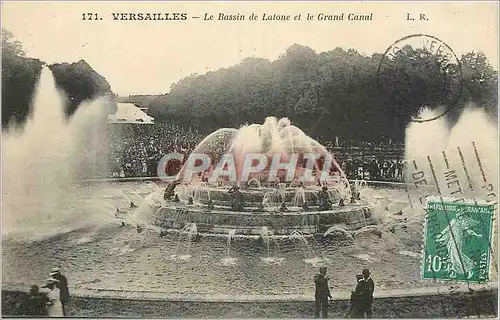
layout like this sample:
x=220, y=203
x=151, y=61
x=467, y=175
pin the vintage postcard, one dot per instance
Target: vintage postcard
x=189, y=159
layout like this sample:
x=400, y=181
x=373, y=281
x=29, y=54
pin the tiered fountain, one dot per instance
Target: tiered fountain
x=245, y=205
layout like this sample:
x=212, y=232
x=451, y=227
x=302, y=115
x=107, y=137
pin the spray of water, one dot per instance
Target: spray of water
x=459, y=161
x=229, y=261
x=230, y=236
x=189, y=231
x=273, y=137
x=42, y=159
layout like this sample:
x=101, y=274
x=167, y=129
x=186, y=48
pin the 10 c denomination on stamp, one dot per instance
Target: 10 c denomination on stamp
x=457, y=239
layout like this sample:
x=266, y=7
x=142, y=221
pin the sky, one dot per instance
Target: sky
x=147, y=57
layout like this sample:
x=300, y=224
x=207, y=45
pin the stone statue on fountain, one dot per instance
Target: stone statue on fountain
x=318, y=182
x=260, y=207
x=169, y=190
x=324, y=199
x=305, y=206
x=283, y=207
x=295, y=183
x=210, y=204
x=237, y=199
x=355, y=193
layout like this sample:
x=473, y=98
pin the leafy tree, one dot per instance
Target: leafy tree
x=11, y=46
x=20, y=74
x=480, y=82
x=80, y=82
x=329, y=94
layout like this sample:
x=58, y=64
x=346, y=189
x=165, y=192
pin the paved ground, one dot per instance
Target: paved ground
x=477, y=304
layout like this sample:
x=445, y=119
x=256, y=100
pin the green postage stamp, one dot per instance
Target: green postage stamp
x=457, y=243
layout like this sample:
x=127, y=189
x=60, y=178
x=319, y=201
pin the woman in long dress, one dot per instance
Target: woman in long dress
x=454, y=237
x=54, y=305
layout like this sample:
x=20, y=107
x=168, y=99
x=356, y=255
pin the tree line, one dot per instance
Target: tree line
x=329, y=94
x=20, y=75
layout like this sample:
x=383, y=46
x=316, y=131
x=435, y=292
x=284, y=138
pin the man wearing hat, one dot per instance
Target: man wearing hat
x=357, y=309
x=322, y=293
x=370, y=288
x=62, y=285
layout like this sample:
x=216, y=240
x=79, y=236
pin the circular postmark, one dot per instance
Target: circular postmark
x=420, y=71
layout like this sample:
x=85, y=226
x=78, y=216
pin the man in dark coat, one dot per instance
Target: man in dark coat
x=362, y=296
x=368, y=294
x=357, y=299
x=322, y=293
x=62, y=285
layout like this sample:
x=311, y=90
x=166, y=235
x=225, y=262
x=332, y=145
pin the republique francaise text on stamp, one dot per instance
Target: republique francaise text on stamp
x=457, y=240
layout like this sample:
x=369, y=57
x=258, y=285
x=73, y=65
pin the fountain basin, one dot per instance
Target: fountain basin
x=222, y=221
x=255, y=197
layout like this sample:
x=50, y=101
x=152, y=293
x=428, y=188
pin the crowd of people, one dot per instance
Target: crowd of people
x=136, y=150
x=382, y=144
x=378, y=169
